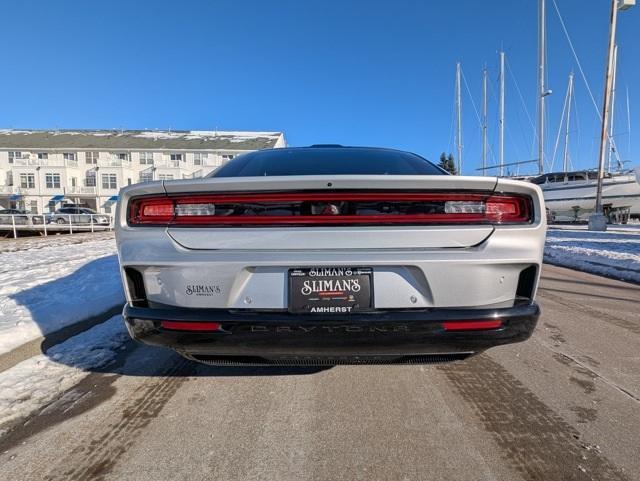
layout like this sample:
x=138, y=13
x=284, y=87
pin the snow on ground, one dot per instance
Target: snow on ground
x=46, y=288
x=615, y=253
x=37, y=381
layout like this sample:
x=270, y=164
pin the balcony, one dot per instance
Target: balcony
x=194, y=175
x=35, y=162
x=168, y=164
x=79, y=190
x=10, y=189
x=211, y=162
x=114, y=162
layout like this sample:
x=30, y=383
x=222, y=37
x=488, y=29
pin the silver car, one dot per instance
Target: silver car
x=78, y=215
x=330, y=255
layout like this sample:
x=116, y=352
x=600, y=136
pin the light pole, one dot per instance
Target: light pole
x=598, y=221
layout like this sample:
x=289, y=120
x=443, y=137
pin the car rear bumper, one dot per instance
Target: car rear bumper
x=253, y=337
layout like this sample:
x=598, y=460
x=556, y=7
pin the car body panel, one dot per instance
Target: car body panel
x=169, y=268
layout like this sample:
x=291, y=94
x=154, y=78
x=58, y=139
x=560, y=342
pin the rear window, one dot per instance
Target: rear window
x=327, y=161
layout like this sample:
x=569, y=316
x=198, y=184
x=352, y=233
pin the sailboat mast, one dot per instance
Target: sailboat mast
x=595, y=222
x=628, y=130
x=566, y=134
x=501, y=114
x=541, y=82
x=612, y=145
x=459, y=116
x=484, y=120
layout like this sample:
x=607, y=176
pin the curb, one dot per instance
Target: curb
x=599, y=274
x=40, y=344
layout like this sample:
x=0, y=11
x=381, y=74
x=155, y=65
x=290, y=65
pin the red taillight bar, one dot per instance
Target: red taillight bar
x=501, y=209
x=191, y=326
x=471, y=325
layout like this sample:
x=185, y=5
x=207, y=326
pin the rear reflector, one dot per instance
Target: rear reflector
x=330, y=208
x=191, y=326
x=471, y=325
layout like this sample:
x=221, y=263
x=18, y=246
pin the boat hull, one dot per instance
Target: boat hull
x=575, y=200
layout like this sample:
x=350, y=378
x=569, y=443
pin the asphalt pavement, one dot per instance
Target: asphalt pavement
x=564, y=405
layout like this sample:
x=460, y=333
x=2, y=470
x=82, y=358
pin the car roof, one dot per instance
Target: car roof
x=337, y=147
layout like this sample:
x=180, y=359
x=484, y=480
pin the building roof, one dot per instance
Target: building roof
x=136, y=140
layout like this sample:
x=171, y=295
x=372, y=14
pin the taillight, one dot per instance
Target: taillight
x=151, y=210
x=472, y=325
x=191, y=326
x=334, y=208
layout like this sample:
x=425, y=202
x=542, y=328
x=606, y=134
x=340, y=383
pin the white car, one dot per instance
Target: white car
x=329, y=255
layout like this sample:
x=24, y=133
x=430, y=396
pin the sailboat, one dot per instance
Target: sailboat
x=571, y=195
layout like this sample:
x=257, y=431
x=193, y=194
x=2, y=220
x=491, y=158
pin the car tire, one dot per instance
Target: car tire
x=61, y=221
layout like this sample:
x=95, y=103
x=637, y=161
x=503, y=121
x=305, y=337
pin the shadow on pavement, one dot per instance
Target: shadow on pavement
x=152, y=361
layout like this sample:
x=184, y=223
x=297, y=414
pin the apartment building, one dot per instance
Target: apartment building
x=42, y=170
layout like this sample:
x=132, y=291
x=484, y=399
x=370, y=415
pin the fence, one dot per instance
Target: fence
x=46, y=224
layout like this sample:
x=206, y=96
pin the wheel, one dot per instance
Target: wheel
x=61, y=221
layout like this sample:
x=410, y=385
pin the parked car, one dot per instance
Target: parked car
x=21, y=217
x=330, y=255
x=78, y=215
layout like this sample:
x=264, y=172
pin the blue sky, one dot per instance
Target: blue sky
x=362, y=72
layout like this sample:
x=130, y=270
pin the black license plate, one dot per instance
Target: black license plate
x=331, y=290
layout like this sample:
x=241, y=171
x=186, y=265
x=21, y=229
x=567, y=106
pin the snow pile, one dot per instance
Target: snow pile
x=37, y=381
x=45, y=289
x=615, y=253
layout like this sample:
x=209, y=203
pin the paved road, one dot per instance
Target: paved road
x=565, y=405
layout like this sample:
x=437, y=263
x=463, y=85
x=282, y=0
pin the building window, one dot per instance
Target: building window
x=28, y=181
x=146, y=176
x=69, y=156
x=14, y=155
x=43, y=156
x=91, y=157
x=123, y=156
x=9, y=178
x=146, y=158
x=74, y=182
x=199, y=158
x=33, y=207
x=52, y=206
x=52, y=181
x=176, y=157
x=107, y=208
x=90, y=179
x=109, y=181
x=165, y=176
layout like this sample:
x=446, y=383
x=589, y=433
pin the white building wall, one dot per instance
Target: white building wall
x=97, y=197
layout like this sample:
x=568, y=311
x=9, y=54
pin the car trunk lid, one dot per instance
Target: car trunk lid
x=323, y=235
